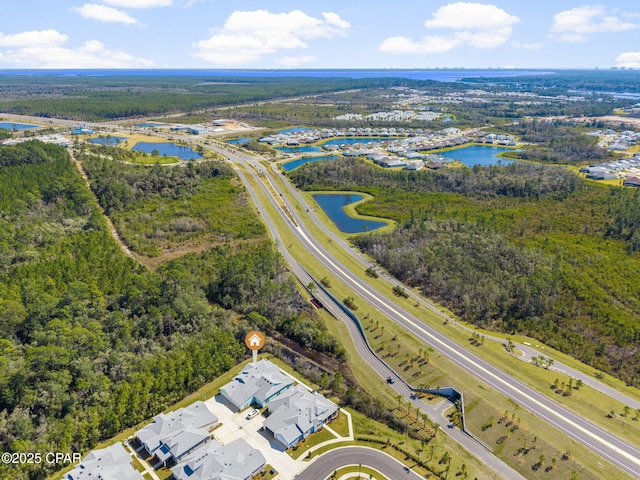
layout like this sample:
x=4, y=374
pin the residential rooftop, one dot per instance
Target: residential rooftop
x=111, y=463
x=236, y=460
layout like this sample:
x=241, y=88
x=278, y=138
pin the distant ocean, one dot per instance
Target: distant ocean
x=442, y=75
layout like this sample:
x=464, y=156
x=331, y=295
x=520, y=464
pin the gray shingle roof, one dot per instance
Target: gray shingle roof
x=296, y=412
x=111, y=463
x=236, y=460
x=258, y=380
x=167, y=426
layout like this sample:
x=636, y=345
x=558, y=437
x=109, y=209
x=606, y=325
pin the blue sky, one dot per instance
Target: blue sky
x=326, y=34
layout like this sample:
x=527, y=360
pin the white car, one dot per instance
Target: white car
x=253, y=413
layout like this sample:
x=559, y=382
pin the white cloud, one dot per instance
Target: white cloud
x=33, y=39
x=295, y=62
x=471, y=16
x=474, y=24
x=628, y=60
x=335, y=20
x=44, y=49
x=576, y=24
x=404, y=45
x=248, y=36
x=138, y=3
x=104, y=14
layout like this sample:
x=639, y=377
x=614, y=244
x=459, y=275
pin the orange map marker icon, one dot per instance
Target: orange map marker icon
x=254, y=341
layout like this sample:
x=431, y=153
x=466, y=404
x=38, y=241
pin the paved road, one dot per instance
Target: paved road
x=324, y=465
x=592, y=436
x=435, y=413
x=528, y=351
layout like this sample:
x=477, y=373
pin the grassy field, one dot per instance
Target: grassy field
x=217, y=212
x=406, y=450
x=341, y=425
x=555, y=443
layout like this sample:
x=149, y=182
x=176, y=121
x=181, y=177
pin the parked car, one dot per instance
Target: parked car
x=253, y=413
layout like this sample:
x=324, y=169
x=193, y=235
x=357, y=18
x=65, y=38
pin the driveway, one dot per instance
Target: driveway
x=235, y=425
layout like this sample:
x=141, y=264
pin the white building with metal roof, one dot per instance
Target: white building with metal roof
x=236, y=460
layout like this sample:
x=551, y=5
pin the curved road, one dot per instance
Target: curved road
x=324, y=465
x=435, y=413
x=592, y=436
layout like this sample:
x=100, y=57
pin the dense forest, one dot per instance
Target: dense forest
x=595, y=81
x=555, y=258
x=91, y=342
x=490, y=281
x=504, y=111
x=557, y=143
x=517, y=180
x=90, y=98
x=157, y=208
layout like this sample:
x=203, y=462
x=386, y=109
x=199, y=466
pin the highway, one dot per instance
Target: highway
x=528, y=351
x=435, y=413
x=324, y=465
x=617, y=451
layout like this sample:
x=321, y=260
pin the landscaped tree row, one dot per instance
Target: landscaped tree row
x=559, y=266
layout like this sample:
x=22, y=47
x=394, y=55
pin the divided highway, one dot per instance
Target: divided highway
x=374, y=362
x=617, y=451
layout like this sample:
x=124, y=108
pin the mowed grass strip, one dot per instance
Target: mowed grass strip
x=596, y=409
x=448, y=373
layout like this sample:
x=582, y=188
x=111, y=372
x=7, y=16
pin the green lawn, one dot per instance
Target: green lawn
x=302, y=447
x=340, y=424
x=364, y=471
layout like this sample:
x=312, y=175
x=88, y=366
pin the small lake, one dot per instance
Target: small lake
x=237, y=141
x=354, y=140
x=288, y=166
x=169, y=149
x=333, y=205
x=299, y=149
x=478, y=155
x=295, y=130
x=108, y=140
x=17, y=126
